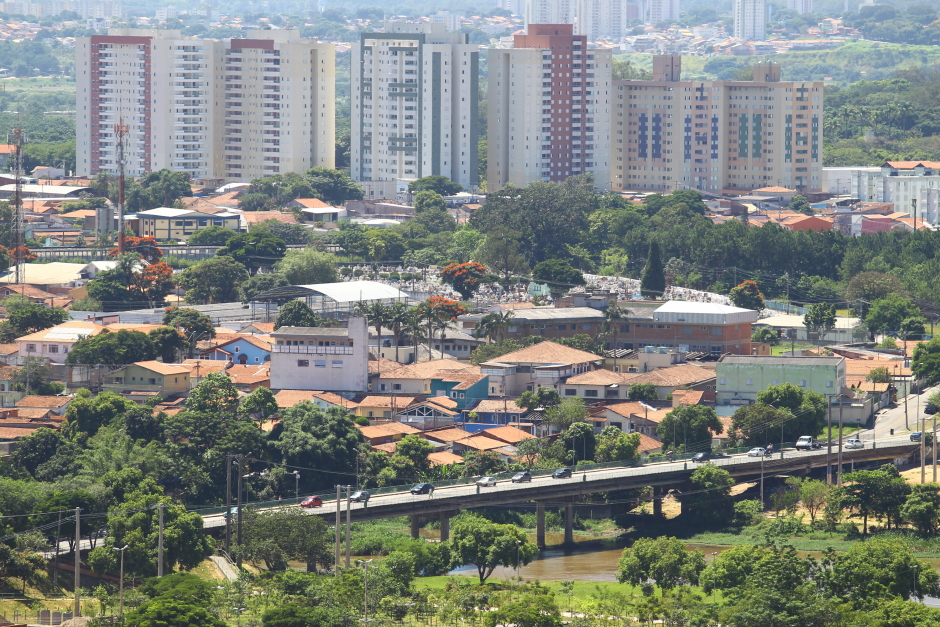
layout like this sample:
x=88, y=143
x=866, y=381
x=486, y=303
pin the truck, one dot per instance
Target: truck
x=806, y=442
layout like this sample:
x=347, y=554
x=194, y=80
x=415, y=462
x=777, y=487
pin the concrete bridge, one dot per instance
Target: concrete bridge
x=447, y=501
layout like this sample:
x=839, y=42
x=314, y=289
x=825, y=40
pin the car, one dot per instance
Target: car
x=852, y=443
x=486, y=481
x=519, y=477
x=360, y=496
x=702, y=456
x=806, y=443
x=915, y=436
x=931, y=409
x=312, y=501
x=562, y=473
x=757, y=451
x=422, y=488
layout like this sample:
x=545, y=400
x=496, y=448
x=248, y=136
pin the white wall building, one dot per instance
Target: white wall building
x=238, y=109
x=415, y=104
x=602, y=18
x=898, y=182
x=750, y=20
x=660, y=10
x=516, y=7
x=451, y=21
x=327, y=359
x=800, y=6
x=549, y=12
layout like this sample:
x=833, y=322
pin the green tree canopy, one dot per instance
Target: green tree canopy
x=689, y=426
x=888, y=314
x=214, y=280
x=297, y=313
x=558, y=274
x=486, y=545
x=653, y=279
x=211, y=236
x=436, y=183
x=664, y=560
x=747, y=296
x=642, y=392
x=254, y=249
x=113, y=349
x=307, y=267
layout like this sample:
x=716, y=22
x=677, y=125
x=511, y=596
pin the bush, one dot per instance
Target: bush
x=357, y=272
x=747, y=512
x=345, y=271
x=362, y=421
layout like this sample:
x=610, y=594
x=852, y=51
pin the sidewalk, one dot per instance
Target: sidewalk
x=228, y=571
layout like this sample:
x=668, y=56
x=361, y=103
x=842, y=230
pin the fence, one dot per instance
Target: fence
x=794, y=310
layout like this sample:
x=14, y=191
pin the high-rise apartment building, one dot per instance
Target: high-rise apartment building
x=549, y=12
x=516, y=7
x=800, y=6
x=660, y=10
x=415, y=105
x=235, y=110
x=750, y=20
x=602, y=19
x=717, y=136
x=549, y=109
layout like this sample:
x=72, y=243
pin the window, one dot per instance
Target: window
x=319, y=363
x=624, y=328
x=686, y=330
x=828, y=384
x=716, y=331
x=30, y=348
x=462, y=395
x=303, y=363
x=590, y=393
x=337, y=363
x=53, y=348
x=586, y=327
x=151, y=381
x=381, y=387
x=802, y=383
x=570, y=392
x=453, y=394
x=722, y=381
x=562, y=327
x=749, y=382
x=396, y=387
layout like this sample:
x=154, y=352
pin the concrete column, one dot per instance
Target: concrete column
x=569, y=523
x=657, y=503
x=540, y=524
x=415, y=527
x=445, y=525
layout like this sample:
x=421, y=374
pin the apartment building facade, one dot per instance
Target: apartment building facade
x=750, y=20
x=415, y=105
x=549, y=12
x=233, y=110
x=549, y=108
x=660, y=10
x=605, y=19
x=717, y=136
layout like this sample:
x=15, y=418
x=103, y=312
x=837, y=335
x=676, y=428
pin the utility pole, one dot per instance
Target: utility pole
x=923, y=449
x=348, y=515
x=122, y=549
x=159, y=550
x=840, y=441
x=238, y=530
x=77, y=609
x=17, y=138
x=228, y=504
x=120, y=132
x=58, y=535
x=339, y=506
x=829, y=446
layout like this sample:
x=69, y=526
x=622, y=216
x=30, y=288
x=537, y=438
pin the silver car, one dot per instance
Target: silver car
x=757, y=451
x=486, y=481
x=854, y=443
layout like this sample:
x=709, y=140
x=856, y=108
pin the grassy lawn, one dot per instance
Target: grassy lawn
x=784, y=347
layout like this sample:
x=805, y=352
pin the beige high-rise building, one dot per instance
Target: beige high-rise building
x=717, y=136
x=549, y=107
x=602, y=19
x=660, y=10
x=234, y=110
x=414, y=105
x=549, y=12
x=750, y=20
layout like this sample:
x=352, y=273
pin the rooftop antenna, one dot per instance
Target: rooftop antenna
x=120, y=130
x=17, y=139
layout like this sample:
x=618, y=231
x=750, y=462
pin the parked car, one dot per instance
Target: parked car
x=806, y=443
x=562, y=473
x=312, y=501
x=422, y=488
x=360, y=496
x=486, y=481
x=854, y=443
x=702, y=456
x=757, y=451
x=930, y=409
x=915, y=436
x=519, y=477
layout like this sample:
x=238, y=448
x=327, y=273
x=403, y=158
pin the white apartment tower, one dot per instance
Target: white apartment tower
x=549, y=101
x=750, y=20
x=415, y=105
x=717, y=136
x=602, y=19
x=234, y=110
x=516, y=7
x=663, y=10
x=549, y=12
x=800, y=6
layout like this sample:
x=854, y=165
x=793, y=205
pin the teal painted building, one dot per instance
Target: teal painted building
x=739, y=378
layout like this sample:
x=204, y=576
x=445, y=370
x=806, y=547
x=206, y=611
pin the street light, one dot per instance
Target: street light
x=714, y=577
x=365, y=590
x=122, y=549
x=239, y=611
x=296, y=474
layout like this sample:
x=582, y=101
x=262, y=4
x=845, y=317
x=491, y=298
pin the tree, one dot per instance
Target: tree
x=297, y=313
x=211, y=236
x=25, y=317
x=261, y=283
x=191, y=323
x=876, y=492
x=431, y=213
x=881, y=568
x=169, y=612
x=691, y=426
x=867, y=287
x=642, y=392
x=133, y=282
x=799, y=204
x=167, y=342
x=254, y=250
x=290, y=233
x=464, y=277
x=747, y=296
x=558, y=274
x=664, y=560
x=887, y=314
x=617, y=446
x=35, y=449
x=814, y=495
x=333, y=186
x=879, y=375
x=709, y=500
x=215, y=395
x=532, y=610
x=653, y=279
x=500, y=251
x=259, y=405
x=566, y=413
x=165, y=187
x=112, y=349
x=486, y=545
x=922, y=508
x=276, y=537
x=214, y=280
x=416, y=449
x=311, y=437
x=766, y=334
x=925, y=362
x=482, y=464
x=820, y=319
x=307, y=266
x=436, y=183
x=87, y=414
x=580, y=440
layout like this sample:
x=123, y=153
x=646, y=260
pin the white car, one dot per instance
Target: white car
x=486, y=481
x=854, y=443
x=757, y=451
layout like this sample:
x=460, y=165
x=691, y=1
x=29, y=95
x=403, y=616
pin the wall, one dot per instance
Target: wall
x=350, y=375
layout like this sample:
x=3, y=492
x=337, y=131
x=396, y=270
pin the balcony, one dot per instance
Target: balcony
x=313, y=350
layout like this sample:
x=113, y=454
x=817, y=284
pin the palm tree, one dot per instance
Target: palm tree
x=441, y=323
x=502, y=322
x=486, y=327
x=378, y=315
x=398, y=315
x=428, y=314
x=414, y=327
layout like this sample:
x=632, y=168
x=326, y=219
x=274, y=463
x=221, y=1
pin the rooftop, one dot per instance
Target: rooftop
x=434, y=369
x=394, y=402
x=778, y=360
x=789, y=322
x=52, y=402
x=509, y=435
x=311, y=331
x=55, y=273
x=553, y=313
x=71, y=331
x=161, y=368
x=548, y=353
x=687, y=306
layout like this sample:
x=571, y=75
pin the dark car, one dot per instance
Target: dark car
x=360, y=496
x=519, y=477
x=312, y=501
x=703, y=456
x=915, y=436
x=930, y=409
x=422, y=488
x=562, y=473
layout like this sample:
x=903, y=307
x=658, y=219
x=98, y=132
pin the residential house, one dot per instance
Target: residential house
x=165, y=223
x=55, y=404
x=149, y=376
x=434, y=377
x=546, y=364
x=55, y=343
x=444, y=458
x=330, y=359
x=323, y=400
x=200, y=368
x=487, y=412
x=374, y=406
x=791, y=327
x=481, y=443
x=435, y=412
x=249, y=377
x=742, y=377
x=385, y=433
x=8, y=397
x=633, y=417
x=507, y=435
x=244, y=349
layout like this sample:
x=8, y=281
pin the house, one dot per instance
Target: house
x=742, y=377
x=546, y=364
x=149, y=376
x=323, y=400
x=420, y=377
x=808, y=223
x=55, y=404
x=485, y=412
x=7, y=396
x=258, y=328
x=244, y=349
x=55, y=343
x=330, y=359
x=385, y=433
x=200, y=368
x=632, y=417
x=56, y=277
x=250, y=218
x=507, y=435
x=444, y=458
x=382, y=406
x=846, y=330
x=249, y=377
x=165, y=223
x=435, y=412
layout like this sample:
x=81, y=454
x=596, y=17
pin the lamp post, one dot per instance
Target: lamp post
x=296, y=474
x=121, y=594
x=238, y=611
x=714, y=577
x=365, y=591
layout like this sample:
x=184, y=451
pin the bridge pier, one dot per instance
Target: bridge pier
x=415, y=527
x=569, y=523
x=540, y=524
x=445, y=524
x=657, y=503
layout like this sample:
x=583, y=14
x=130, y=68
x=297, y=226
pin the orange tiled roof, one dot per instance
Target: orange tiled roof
x=312, y=203
x=396, y=402
x=51, y=402
x=510, y=435
x=256, y=217
x=548, y=353
x=161, y=368
x=444, y=458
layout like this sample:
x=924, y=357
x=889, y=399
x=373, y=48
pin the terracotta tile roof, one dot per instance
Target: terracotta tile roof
x=312, y=203
x=383, y=365
x=467, y=379
x=161, y=368
x=450, y=434
x=775, y=190
x=514, y=306
x=262, y=327
x=632, y=407
x=869, y=386
x=248, y=374
x=250, y=339
x=13, y=433
x=78, y=214
x=443, y=401
x=444, y=458
x=498, y=406
x=396, y=402
x=7, y=372
x=51, y=402
x=674, y=376
x=29, y=291
x=689, y=397
x=438, y=408
x=127, y=326
x=648, y=443
x=862, y=367
x=599, y=377
x=289, y=398
x=434, y=369
x=257, y=217
x=9, y=349
x=548, y=353
x=335, y=399
x=34, y=413
x=387, y=429
x=481, y=443
x=388, y=447
x=910, y=165
x=201, y=367
x=510, y=435
x=922, y=225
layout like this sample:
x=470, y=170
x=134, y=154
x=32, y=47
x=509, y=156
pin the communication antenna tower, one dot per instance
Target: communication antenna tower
x=120, y=131
x=17, y=139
